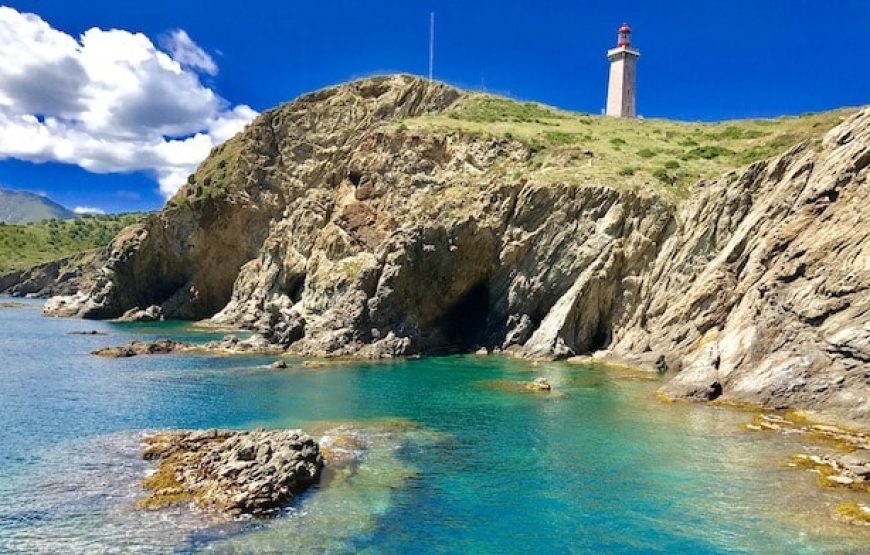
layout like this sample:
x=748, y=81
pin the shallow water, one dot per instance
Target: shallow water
x=455, y=460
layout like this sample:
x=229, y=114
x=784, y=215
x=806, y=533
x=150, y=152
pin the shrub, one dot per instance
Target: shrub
x=646, y=153
x=672, y=165
x=618, y=142
x=708, y=152
x=558, y=138
x=733, y=133
x=662, y=175
x=627, y=171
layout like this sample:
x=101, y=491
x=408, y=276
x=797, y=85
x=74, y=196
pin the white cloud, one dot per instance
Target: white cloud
x=88, y=210
x=187, y=53
x=109, y=101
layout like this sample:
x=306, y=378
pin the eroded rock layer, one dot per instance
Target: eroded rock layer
x=332, y=229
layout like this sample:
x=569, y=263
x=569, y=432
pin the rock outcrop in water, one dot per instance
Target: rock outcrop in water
x=136, y=348
x=231, y=472
x=230, y=344
x=333, y=230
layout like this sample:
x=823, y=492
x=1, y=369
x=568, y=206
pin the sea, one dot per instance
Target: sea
x=452, y=455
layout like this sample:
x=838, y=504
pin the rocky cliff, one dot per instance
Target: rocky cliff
x=65, y=276
x=334, y=229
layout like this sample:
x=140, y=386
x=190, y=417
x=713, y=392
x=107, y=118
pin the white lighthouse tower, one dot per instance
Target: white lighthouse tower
x=621, y=89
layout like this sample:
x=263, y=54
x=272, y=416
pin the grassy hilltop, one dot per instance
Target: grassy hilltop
x=658, y=155
x=26, y=245
x=666, y=155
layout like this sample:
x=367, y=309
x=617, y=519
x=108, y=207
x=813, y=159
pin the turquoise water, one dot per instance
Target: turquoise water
x=450, y=457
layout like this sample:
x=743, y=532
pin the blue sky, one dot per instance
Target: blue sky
x=700, y=61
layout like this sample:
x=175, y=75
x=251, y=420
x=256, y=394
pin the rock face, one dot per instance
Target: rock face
x=332, y=230
x=58, y=277
x=234, y=473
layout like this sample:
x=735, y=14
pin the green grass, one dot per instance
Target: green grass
x=660, y=155
x=491, y=109
x=23, y=246
x=214, y=177
x=558, y=138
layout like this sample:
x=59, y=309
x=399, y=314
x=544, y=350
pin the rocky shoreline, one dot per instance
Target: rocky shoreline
x=232, y=473
x=840, y=458
x=333, y=231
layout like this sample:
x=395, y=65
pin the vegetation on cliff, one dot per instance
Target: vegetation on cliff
x=664, y=155
x=26, y=245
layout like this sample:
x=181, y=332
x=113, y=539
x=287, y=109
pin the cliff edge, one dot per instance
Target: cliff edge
x=340, y=225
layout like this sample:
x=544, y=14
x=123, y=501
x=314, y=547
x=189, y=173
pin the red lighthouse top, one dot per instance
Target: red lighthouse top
x=623, y=36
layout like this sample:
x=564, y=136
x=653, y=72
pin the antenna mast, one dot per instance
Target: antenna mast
x=431, y=43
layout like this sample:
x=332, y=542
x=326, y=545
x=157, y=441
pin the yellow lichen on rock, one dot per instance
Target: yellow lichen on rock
x=164, y=487
x=854, y=513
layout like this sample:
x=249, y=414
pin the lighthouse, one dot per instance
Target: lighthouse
x=621, y=88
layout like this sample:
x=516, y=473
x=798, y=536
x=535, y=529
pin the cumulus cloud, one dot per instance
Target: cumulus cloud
x=187, y=53
x=82, y=210
x=109, y=100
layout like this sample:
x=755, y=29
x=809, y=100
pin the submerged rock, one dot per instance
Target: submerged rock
x=832, y=472
x=88, y=332
x=841, y=458
x=854, y=513
x=539, y=384
x=230, y=472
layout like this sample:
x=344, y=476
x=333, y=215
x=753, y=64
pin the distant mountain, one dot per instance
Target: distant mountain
x=21, y=207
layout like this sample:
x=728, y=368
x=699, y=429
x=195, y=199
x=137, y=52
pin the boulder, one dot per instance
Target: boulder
x=151, y=314
x=230, y=472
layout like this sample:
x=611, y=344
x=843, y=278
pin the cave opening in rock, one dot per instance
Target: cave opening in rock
x=464, y=325
x=601, y=338
x=294, y=286
x=160, y=291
